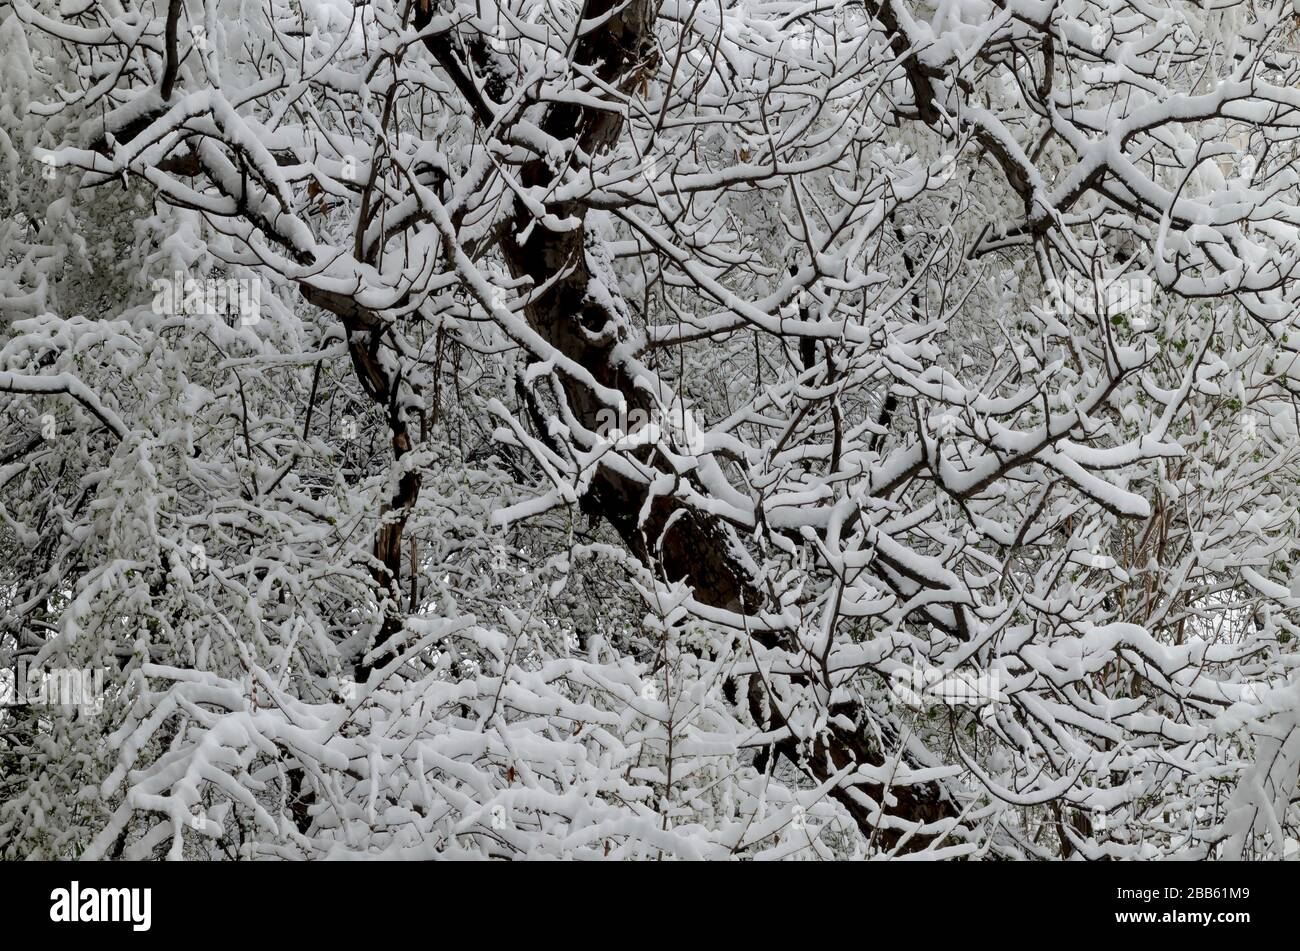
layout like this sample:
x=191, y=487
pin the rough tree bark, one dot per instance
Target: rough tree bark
x=683, y=544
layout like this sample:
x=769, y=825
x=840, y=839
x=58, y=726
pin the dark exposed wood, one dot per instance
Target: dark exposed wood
x=680, y=542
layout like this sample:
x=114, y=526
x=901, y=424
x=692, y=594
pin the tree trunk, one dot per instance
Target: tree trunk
x=693, y=546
